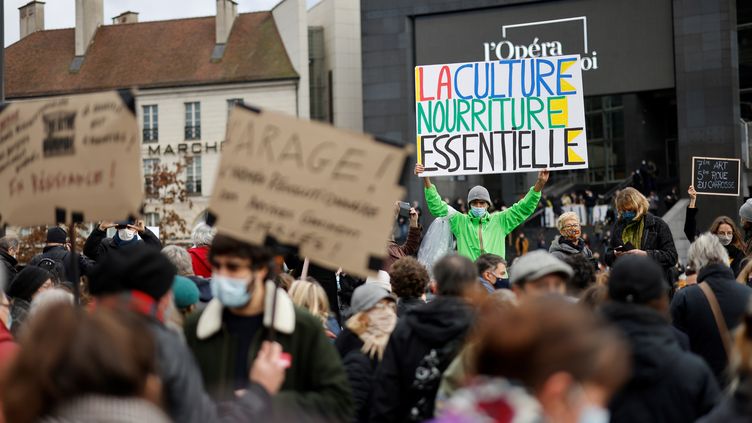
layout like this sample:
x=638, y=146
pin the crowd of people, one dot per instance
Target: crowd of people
x=227, y=331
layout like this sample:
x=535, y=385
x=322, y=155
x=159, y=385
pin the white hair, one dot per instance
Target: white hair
x=566, y=216
x=203, y=234
x=707, y=249
x=180, y=258
x=49, y=297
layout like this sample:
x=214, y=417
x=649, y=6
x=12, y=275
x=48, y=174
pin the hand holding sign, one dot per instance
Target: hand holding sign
x=716, y=176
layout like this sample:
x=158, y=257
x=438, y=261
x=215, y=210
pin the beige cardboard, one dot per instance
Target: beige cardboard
x=329, y=191
x=78, y=153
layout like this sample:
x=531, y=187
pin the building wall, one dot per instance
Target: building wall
x=341, y=22
x=280, y=96
x=292, y=24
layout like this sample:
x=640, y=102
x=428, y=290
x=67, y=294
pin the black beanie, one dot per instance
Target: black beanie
x=142, y=269
x=27, y=282
x=636, y=280
x=56, y=235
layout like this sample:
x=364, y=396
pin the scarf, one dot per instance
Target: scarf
x=633, y=232
x=120, y=243
x=375, y=335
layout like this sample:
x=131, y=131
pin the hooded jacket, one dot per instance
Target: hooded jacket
x=667, y=384
x=97, y=245
x=493, y=226
x=562, y=250
x=422, y=346
x=692, y=315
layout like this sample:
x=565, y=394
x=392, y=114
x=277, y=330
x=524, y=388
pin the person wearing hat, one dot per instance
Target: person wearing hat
x=373, y=320
x=141, y=280
x=539, y=273
x=185, y=294
x=667, y=383
x=481, y=231
x=57, y=249
x=22, y=289
x=98, y=245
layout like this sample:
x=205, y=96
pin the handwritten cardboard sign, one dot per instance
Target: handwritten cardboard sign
x=716, y=176
x=500, y=116
x=328, y=191
x=64, y=158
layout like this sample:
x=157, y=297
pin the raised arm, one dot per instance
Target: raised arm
x=690, y=221
x=436, y=205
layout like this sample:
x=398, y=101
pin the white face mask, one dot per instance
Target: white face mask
x=126, y=234
x=725, y=239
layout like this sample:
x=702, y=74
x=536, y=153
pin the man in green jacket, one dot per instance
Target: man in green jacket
x=480, y=232
x=227, y=335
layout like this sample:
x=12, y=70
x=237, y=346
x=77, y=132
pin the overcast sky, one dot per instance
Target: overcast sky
x=62, y=13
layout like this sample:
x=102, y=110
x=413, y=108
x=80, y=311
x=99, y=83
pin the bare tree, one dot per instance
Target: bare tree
x=165, y=188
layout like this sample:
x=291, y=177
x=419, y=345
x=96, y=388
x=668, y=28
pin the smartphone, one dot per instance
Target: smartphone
x=623, y=248
x=404, y=209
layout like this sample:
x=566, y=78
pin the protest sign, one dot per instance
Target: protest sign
x=73, y=158
x=328, y=191
x=500, y=116
x=715, y=176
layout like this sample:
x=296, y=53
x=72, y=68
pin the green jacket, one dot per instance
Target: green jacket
x=315, y=383
x=495, y=226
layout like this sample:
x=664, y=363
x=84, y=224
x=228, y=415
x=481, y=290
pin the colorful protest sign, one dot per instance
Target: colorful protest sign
x=328, y=191
x=73, y=158
x=716, y=176
x=500, y=116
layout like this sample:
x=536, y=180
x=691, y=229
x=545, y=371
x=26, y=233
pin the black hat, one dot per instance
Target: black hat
x=27, y=282
x=56, y=235
x=142, y=269
x=636, y=280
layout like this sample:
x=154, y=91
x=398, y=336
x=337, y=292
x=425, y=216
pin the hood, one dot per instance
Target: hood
x=654, y=346
x=440, y=320
x=562, y=246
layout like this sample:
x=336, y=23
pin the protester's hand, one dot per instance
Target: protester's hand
x=542, y=179
x=636, y=252
x=413, y=218
x=692, y=196
x=268, y=368
x=419, y=168
x=139, y=227
x=103, y=226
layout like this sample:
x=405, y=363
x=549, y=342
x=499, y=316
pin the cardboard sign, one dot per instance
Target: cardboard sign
x=329, y=192
x=70, y=158
x=716, y=176
x=500, y=116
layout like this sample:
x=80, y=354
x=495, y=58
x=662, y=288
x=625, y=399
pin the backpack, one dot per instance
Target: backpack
x=428, y=377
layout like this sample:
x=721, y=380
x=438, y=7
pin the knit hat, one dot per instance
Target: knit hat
x=745, y=211
x=535, y=265
x=184, y=291
x=56, y=235
x=27, y=282
x=366, y=296
x=636, y=280
x=142, y=269
x=478, y=193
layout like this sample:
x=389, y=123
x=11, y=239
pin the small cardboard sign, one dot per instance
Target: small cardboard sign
x=70, y=158
x=328, y=191
x=716, y=176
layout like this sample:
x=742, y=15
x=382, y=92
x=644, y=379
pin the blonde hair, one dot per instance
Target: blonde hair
x=564, y=217
x=312, y=297
x=631, y=197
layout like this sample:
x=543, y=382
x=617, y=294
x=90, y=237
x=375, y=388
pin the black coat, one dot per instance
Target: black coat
x=656, y=240
x=736, y=408
x=667, y=383
x=692, y=315
x=9, y=263
x=97, y=245
x=437, y=327
x=360, y=373
x=62, y=256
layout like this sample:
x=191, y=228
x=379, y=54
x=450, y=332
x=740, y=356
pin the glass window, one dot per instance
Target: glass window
x=151, y=166
x=152, y=219
x=193, y=121
x=193, y=175
x=151, y=123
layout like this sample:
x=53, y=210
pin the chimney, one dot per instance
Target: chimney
x=89, y=15
x=32, y=17
x=125, y=18
x=227, y=10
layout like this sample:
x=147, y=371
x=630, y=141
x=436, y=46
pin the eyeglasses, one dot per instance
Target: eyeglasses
x=571, y=226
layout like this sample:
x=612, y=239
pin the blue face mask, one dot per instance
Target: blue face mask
x=478, y=211
x=628, y=216
x=231, y=292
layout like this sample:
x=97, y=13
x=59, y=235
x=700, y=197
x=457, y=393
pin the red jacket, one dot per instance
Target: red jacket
x=200, y=259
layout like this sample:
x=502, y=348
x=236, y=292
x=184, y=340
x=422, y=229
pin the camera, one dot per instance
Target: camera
x=404, y=209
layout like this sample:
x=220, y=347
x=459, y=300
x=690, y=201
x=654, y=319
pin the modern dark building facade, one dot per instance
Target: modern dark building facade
x=664, y=80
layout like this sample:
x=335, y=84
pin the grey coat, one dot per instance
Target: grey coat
x=563, y=250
